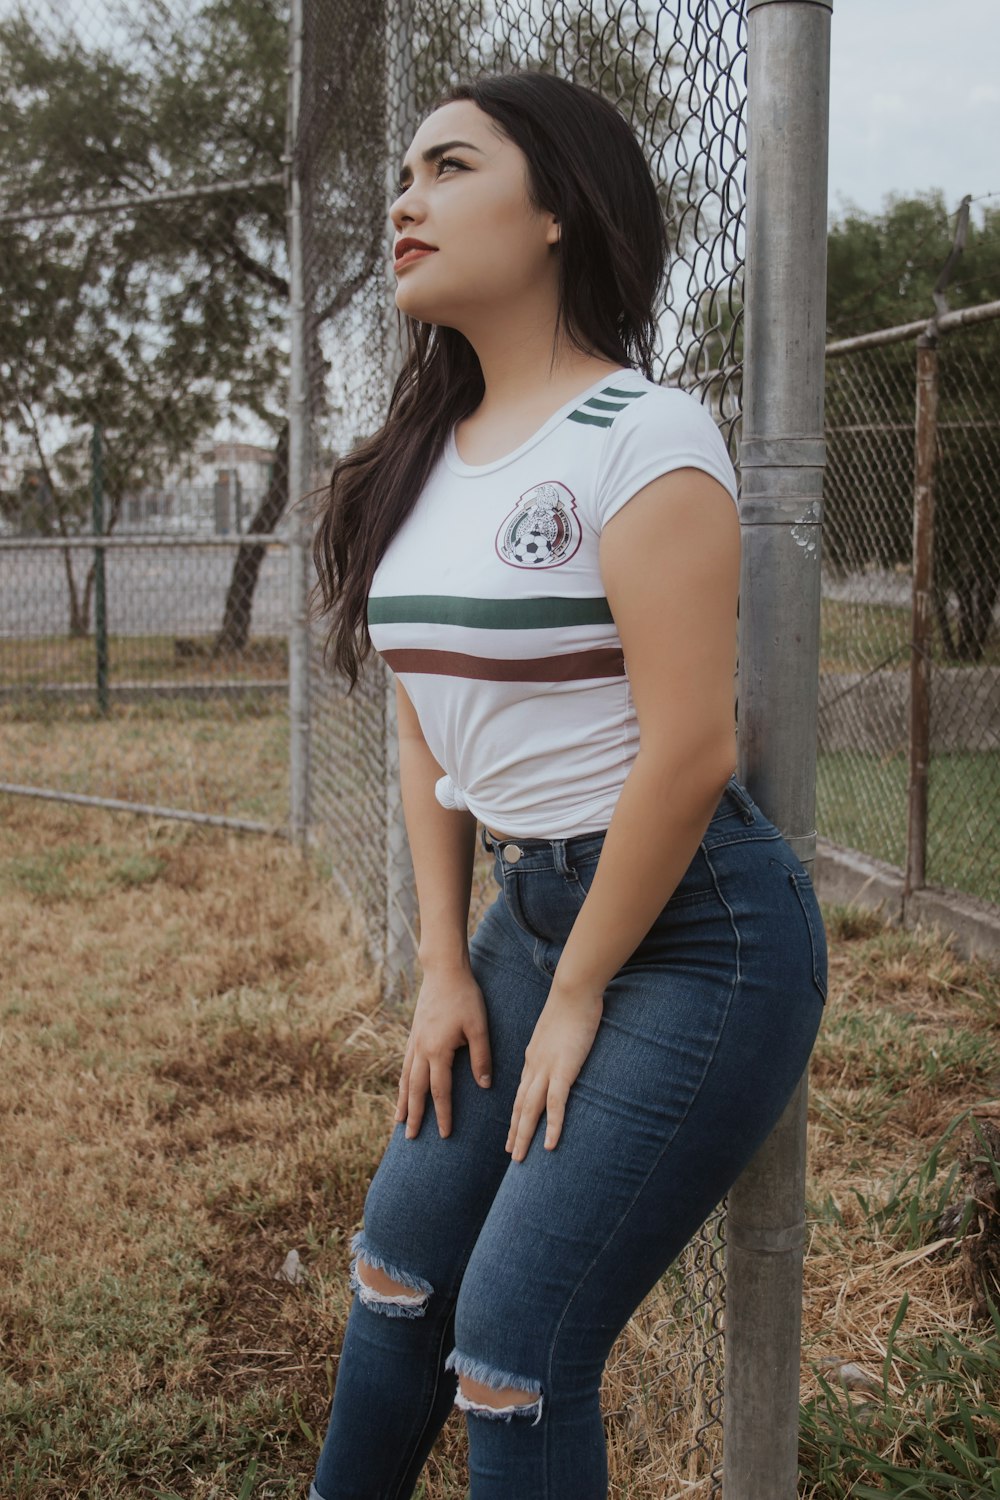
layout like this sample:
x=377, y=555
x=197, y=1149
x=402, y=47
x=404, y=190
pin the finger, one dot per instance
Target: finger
x=515, y=1115
x=555, y=1113
x=404, y=1087
x=441, y=1094
x=416, y=1097
x=479, y=1057
x=531, y=1113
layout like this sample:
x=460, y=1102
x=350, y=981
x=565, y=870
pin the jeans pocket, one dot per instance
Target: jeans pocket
x=803, y=887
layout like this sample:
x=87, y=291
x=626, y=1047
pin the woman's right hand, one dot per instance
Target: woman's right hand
x=450, y=1013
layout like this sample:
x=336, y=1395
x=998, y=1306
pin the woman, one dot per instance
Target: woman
x=543, y=544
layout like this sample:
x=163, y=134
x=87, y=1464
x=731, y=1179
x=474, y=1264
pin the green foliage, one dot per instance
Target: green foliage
x=935, y=1438
x=882, y=270
x=156, y=321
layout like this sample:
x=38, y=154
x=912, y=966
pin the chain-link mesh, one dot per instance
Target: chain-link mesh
x=864, y=731
x=143, y=272
x=677, y=72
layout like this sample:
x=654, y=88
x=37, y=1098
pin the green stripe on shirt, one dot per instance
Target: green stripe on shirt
x=588, y=420
x=487, y=614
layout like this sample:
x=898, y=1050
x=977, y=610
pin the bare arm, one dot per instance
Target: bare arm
x=442, y=843
x=450, y=1012
x=670, y=565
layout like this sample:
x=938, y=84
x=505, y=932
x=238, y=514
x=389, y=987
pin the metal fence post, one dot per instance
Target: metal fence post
x=100, y=588
x=298, y=463
x=782, y=455
x=925, y=444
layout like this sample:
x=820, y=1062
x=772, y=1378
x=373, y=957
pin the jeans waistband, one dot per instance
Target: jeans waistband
x=561, y=853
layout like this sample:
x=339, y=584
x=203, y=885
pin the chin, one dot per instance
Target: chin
x=423, y=309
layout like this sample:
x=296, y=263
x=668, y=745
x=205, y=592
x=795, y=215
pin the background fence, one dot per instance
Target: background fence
x=909, y=724
x=678, y=74
x=677, y=71
x=144, y=269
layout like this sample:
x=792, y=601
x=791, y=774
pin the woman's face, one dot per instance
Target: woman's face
x=469, y=200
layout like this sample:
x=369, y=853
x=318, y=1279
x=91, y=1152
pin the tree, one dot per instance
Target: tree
x=882, y=272
x=155, y=322
x=159, y=321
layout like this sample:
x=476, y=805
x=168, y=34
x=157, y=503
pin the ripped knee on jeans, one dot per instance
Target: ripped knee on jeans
x=494, y=1394
x=385, y=1288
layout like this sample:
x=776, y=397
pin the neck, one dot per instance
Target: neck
x=515, y=354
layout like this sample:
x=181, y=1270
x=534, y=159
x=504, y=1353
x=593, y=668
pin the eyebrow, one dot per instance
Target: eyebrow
x=432, y=153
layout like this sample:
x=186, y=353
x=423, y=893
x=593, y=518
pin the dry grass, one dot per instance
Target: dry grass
x=196, y=1080
x=175, y=754
x=60, y=659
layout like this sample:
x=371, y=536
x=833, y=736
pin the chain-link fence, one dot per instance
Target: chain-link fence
x=677, y=71
x=163, y=276
x=143, y=405
x=909, y=726
x=678, y=74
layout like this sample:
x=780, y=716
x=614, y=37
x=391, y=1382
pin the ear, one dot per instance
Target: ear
x=553, y=233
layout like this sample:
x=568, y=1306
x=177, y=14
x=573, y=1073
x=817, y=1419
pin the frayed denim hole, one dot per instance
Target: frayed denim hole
x=496, y=1380
x=499, y=1413
x=406, y=1304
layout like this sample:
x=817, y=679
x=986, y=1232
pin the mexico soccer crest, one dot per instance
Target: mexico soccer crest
x=542, y=530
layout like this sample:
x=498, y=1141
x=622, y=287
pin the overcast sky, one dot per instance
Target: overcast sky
x=914, y=100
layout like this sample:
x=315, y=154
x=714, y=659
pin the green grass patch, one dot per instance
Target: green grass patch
x=861, y=803
x=859, y=637
x=931, y=1435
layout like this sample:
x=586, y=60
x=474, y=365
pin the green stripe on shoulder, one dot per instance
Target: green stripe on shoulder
x=594, y=403
x=610, y=390
x=589, y=419
x=487, y=614
x=588, y=412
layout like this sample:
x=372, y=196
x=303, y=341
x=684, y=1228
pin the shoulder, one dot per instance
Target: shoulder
x=676, y=414
x=659, y=428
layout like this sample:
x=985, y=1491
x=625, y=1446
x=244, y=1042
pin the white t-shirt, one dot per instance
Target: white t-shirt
x=489, y=606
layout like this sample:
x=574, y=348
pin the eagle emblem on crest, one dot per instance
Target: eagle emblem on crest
x=542, y=530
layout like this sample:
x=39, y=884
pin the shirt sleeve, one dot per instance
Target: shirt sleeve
x=666, y=429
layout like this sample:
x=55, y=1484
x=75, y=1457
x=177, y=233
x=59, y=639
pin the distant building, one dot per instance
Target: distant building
x=215, y=494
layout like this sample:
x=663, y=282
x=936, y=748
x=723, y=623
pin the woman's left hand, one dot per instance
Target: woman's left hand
x=563, y=1036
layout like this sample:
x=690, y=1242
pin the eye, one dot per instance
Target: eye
x=450, y=161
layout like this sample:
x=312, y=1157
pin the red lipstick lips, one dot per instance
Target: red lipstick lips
x=410, y=249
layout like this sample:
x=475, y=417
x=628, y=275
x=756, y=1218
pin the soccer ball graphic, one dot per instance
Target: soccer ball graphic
x=542, y=529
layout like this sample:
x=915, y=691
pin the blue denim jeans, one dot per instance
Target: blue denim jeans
x=523, y=1274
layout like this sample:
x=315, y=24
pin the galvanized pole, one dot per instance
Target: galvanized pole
x=100, y=590
x=399, y=953
x=782, y=456
x=298, y=461
x=925, y=444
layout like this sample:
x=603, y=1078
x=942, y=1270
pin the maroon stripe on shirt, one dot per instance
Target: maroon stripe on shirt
x=602, y=661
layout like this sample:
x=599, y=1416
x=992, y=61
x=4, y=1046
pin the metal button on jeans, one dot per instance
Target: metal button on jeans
x=511, y=853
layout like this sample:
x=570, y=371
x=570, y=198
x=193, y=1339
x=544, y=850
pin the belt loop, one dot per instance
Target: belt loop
x=741, y=797
x=559, y=860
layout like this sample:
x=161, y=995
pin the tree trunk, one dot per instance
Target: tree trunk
x=235, y=629
x=77, y=615
x=944, y=624
x=976, y=598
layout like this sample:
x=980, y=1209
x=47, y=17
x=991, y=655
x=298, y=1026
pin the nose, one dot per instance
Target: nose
x=406, y=209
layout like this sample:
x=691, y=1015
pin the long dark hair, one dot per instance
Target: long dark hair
x=586, y=167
